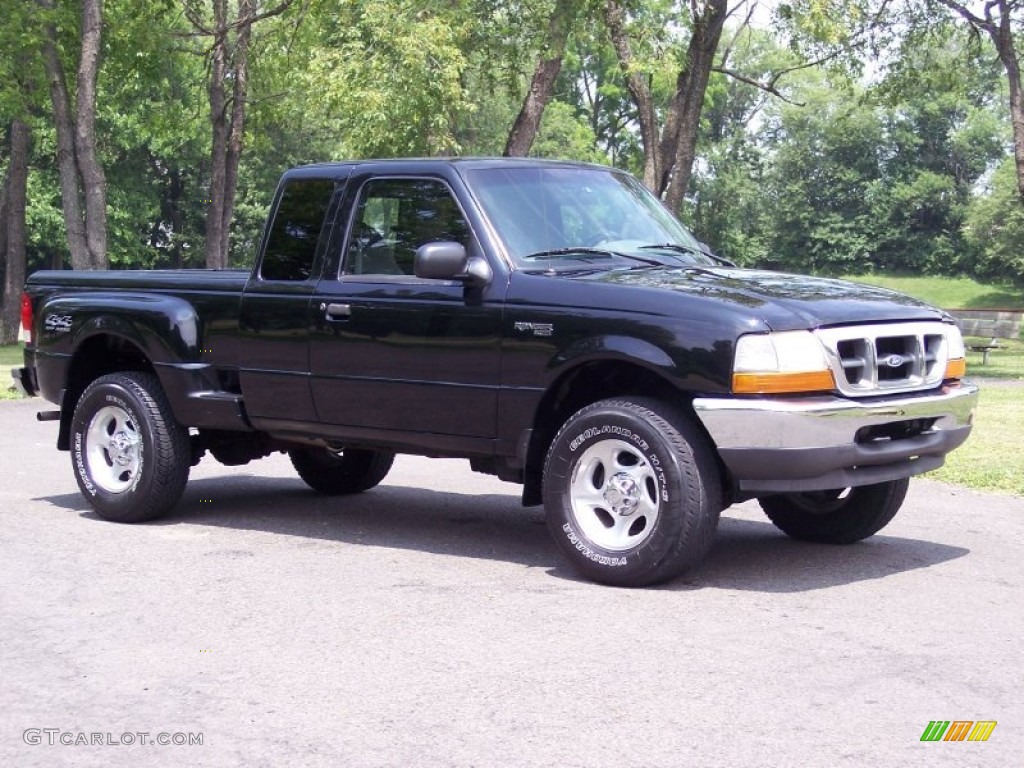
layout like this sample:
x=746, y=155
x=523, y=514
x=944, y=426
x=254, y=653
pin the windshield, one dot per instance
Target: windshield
x=546, y=213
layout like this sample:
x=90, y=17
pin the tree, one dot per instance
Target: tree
x=82, y=180
x=994, y=228
x=18, y=53
x=549, y=64
x=1000, y=19
x=12, y=230
x=230, y=37
x=669, y=152
x=387, y=76
x=826, y=170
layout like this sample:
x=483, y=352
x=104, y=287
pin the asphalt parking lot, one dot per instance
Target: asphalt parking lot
x=431, y=622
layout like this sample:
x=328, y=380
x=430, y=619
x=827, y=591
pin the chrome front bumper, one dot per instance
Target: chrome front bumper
x=775, y=445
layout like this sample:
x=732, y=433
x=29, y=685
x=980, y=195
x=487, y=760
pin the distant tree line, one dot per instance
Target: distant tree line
x=834, y=136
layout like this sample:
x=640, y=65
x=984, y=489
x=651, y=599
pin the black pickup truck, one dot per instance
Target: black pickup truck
x=549, y=321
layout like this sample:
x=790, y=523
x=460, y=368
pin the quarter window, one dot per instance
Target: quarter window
x=294, y=235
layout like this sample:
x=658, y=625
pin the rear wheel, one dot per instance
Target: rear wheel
x=631, y=492
x=340, y=472
x=840, y=516
x=131, y=457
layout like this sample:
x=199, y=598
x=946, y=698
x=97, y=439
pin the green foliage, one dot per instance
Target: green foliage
x=387, y=75
x=826, y=171
x=565, y=134
x=902, y=174
x=995, y=227
x=592, y=82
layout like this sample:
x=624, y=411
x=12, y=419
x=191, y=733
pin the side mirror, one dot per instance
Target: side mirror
x=449, y=261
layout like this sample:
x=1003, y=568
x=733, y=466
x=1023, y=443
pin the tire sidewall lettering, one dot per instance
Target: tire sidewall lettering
x=586, y=437
x=587, y=552
x=609, y=430
x=83, y=473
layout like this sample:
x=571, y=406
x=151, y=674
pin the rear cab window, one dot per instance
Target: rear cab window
x=297, y=231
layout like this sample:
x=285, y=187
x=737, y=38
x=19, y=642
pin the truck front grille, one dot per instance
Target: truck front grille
x=877, y=359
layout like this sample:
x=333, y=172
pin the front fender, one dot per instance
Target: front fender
x=612, y=347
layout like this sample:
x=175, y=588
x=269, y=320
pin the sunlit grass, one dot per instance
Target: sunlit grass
x=992, y=459
x=10, y=357
x=950, y=292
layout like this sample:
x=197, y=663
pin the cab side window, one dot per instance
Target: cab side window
x=294, y=235
x=393, y=218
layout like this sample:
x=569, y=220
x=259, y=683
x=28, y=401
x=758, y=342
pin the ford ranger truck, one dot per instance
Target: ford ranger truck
x=549, y=321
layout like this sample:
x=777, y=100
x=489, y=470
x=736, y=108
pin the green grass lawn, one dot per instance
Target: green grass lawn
x=992, y=459
x=10, y=357
x=949, y=292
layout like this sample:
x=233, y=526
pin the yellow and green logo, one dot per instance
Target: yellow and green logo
x=958, y=730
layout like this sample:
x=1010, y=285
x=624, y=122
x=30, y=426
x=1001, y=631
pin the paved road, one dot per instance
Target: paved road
x=412, y=627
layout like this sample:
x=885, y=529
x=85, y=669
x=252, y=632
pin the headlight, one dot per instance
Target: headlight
x=956, y=354
x=774, y=363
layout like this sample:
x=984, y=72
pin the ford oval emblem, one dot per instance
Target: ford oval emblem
x=894, y=361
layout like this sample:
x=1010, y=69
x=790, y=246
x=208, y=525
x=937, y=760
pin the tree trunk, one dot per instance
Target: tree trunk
x=3, y=223
x=228, y=119
x=1000, y=29
x=1006, y=46
x=83, y=185
x=94, y=182
x=236, y=136
x=691, y=86
x=215, y=258
x=15, y=189
x=549, y=64
x=639, y=90
x=67, y=167
x=669, y=155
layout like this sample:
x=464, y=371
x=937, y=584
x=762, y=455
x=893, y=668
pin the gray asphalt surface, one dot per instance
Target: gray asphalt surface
x=431, y=622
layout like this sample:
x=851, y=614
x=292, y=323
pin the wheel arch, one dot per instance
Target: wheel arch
x=586, y=382
x=97, y=355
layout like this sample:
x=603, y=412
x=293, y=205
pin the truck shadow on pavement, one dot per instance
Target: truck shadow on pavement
x=748, y=555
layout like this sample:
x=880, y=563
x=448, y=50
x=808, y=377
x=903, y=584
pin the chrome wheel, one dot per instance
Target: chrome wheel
x=113, y=449
x=614, y=495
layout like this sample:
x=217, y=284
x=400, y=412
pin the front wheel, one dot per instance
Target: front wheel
x=339, y=472
x=631, y=492
x=840, y=516
x=131, y=457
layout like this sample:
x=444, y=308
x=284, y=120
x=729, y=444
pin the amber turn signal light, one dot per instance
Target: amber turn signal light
x=782, y=383
x=956, y=368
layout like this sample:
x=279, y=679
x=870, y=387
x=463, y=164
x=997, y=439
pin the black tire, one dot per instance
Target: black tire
x=841, y=516
x=131, y=457
x=337, y=473
x=651, y=520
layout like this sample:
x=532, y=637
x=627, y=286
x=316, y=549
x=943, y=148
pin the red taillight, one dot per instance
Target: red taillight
x=26, y=318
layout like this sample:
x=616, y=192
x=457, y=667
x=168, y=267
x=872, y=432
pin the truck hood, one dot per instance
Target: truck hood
x=782, y=301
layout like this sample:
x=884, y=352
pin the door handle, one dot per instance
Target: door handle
x=337, y=311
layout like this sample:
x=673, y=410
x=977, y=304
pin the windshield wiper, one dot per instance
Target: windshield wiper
x=690, y=251
x=585, y=251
